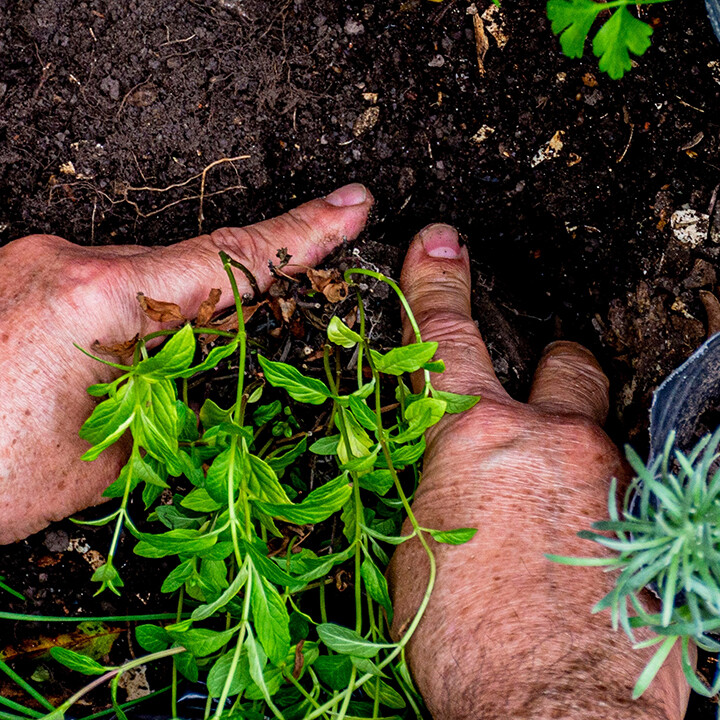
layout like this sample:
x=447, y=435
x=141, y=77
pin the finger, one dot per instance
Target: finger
x=185, y=272
x=436, y=282
x=570, y=381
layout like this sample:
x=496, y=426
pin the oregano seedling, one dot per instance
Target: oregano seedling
x=252, y=615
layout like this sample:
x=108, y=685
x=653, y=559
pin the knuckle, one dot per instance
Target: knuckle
x=448, y=327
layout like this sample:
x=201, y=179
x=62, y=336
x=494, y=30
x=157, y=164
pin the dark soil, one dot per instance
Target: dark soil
x=102, y=97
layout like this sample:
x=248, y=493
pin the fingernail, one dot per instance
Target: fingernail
x=353, y=194
x=441, y=241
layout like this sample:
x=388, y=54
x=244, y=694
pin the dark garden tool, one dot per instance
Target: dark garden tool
x=713, y=11
x=686, y=394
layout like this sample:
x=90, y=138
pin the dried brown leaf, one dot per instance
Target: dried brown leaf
x=299, y=660
x=329, y=283
x=159, y=310
x=207, y=308
x=118, y=349
x=287, y=308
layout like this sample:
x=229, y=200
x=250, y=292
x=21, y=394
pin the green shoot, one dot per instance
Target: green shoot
x=620, y=34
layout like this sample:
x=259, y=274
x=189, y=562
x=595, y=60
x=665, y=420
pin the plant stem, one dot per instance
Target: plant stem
x=112, y=673
x=29, y=689
x=12, y=705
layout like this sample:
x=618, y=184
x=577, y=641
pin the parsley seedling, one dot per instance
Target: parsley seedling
x=621, y=33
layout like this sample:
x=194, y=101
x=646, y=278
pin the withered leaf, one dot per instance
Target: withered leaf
x=118, y=349
x=287, y=308
x=230, y=323
x=160, y=311
x=299, y=660
x=329, y=283
x=207, y=308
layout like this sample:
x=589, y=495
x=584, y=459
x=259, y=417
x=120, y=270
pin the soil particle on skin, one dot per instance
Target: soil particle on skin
x=105, y=105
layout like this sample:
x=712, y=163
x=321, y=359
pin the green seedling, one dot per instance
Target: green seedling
x=245, y=620
x=620, y=34
x=667, y=535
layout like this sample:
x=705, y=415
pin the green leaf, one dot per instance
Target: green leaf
x=455, y=403
x=334, y=670
x=622, y=34
x=109, y=577
x=200, y=641
x=256, y=664
x=213, y=358
x=652, y=668
x=376, y=585
x=156, y=423
x=265, y=413
x=362, y=464
x=173, y=543
x=270, y=570
x=319, y=505
x=187, y=666
x=178, y=576
x=221, y=669
x=299, y=387
x=199, y=500
x=405, y=455
x=281, y=460
x=271, y=618
x=421, y=415
x=152, y=638
x=404, y=359
x=78, y=662
x=205, y=611
x=387, y=696
x=109, y=421
x=326, y=446
x=378, y=481
x=340, y=334
x=348, y=642
x=363, y=414
x=263, y=483
x=225, y=465
x=212, y=414
x=436, y=366
x=572, y=20
x=175, y=357
x=453, y=537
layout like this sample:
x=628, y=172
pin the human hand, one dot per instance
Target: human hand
x=54, y=293
x=508, y=633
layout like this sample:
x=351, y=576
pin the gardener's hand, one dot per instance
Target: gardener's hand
x=508, y=634
x=53, y=293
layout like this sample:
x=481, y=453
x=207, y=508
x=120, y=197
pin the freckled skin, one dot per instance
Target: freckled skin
x=507, y=633
x=54, y=294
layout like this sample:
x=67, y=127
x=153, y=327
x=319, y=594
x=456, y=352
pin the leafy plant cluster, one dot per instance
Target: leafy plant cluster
x=620, y=34
x=667, y=536
x=244, y=581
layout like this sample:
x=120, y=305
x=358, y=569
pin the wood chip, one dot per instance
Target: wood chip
x=481, y=41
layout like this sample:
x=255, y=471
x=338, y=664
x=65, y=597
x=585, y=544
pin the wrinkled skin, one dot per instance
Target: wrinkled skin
x=508, y=634
x=54, y=293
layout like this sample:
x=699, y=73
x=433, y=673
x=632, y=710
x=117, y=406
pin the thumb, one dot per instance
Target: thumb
x=183, y=273
x=436, y=282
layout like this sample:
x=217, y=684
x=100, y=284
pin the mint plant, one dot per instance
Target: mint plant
x=245, y=582
x=667, y=535
x=620, y=34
